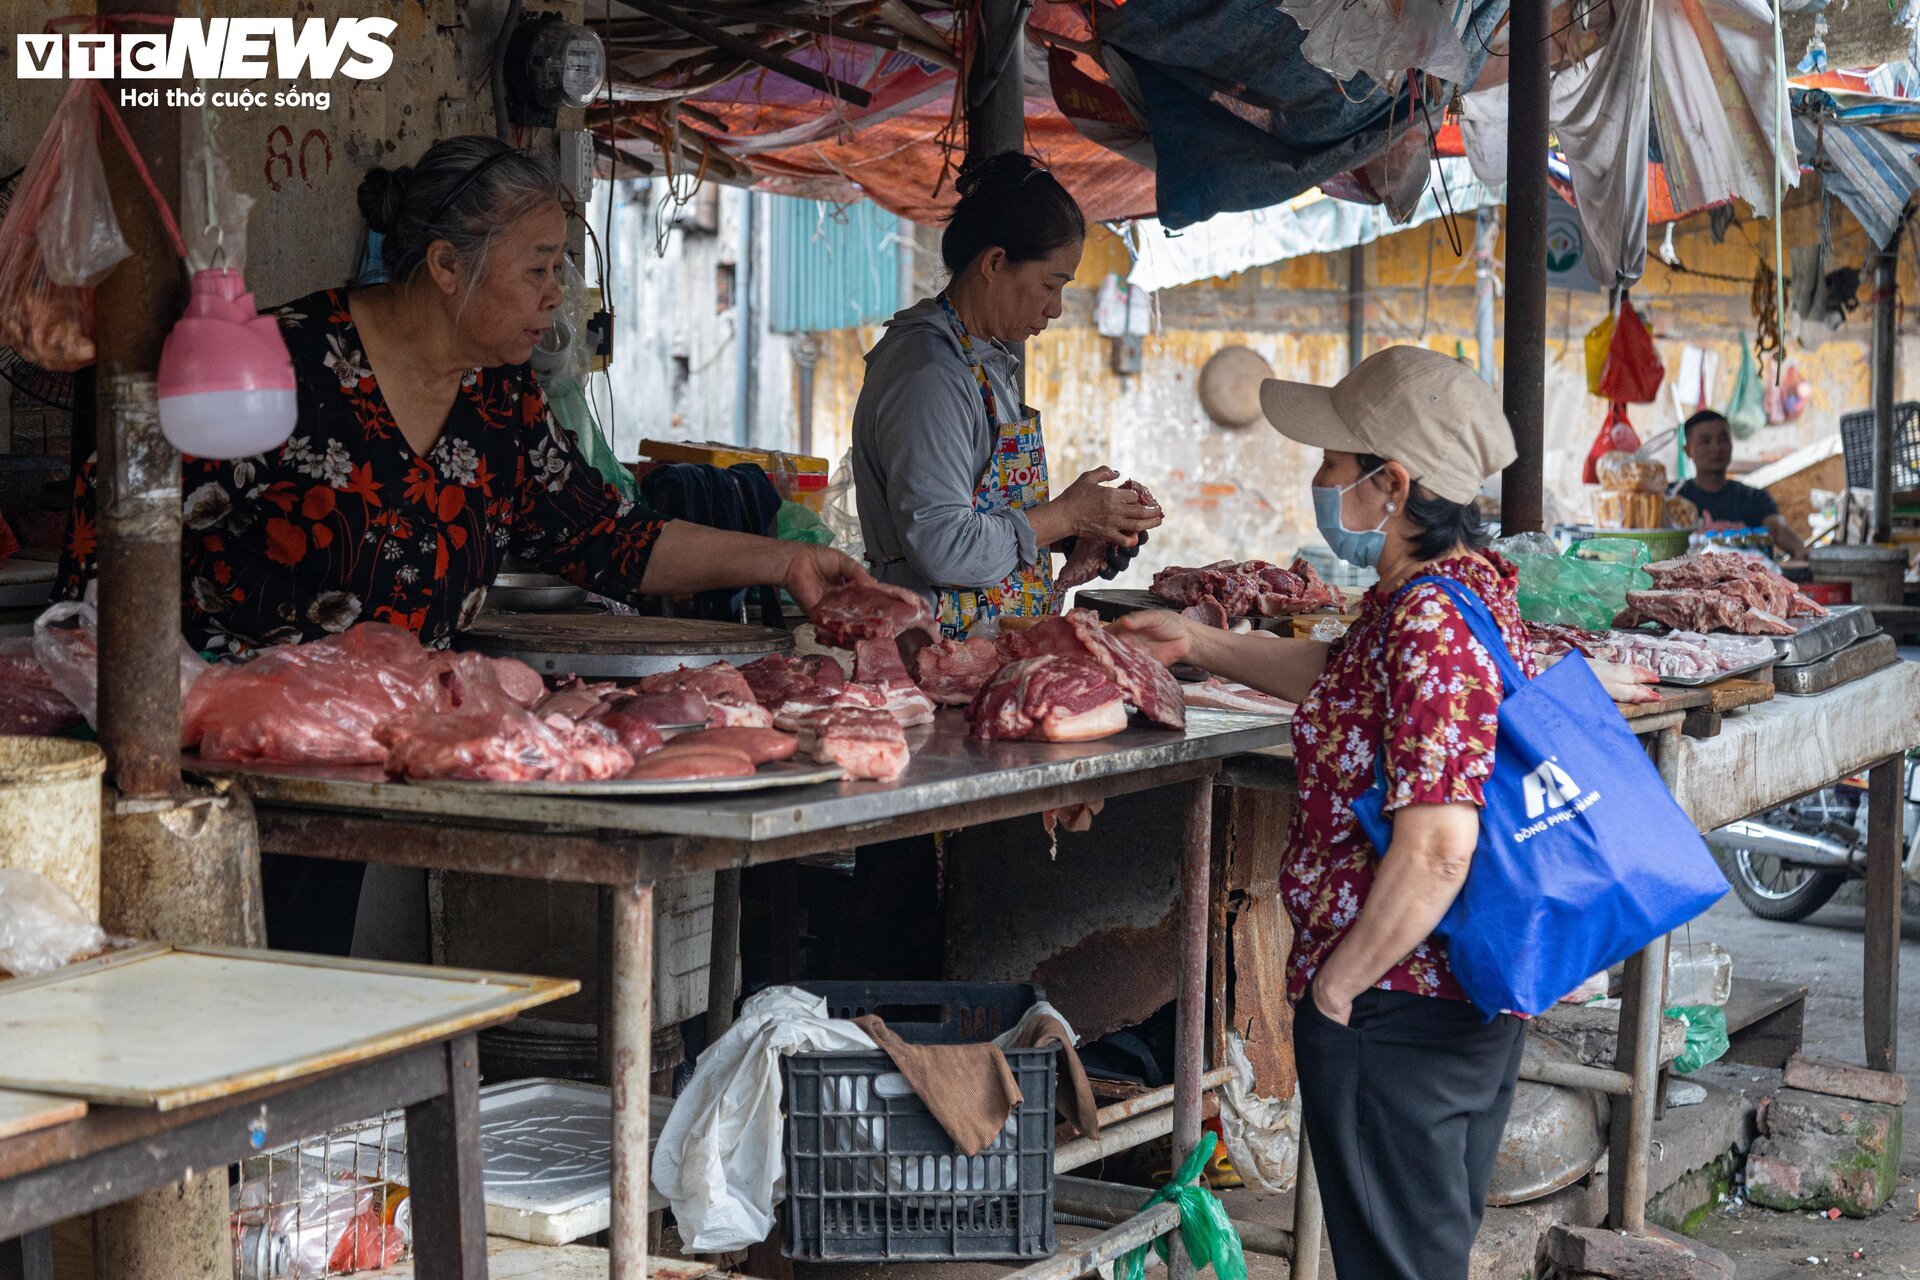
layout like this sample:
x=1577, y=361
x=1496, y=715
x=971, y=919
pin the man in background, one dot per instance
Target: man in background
x=1709, y=444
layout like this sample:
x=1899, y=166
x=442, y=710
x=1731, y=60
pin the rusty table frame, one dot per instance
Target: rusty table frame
x=114, y=1153
x=627, y=864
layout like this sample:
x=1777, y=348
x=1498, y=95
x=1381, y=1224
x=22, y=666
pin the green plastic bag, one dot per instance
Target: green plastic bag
x=1746, y=406
x=796, y=523
x=1586, y=586
x=1706, y=1036
x=1204, y=1226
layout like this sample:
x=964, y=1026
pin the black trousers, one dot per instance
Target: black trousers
x=1404, y=1109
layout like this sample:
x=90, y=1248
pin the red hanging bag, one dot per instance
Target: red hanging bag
x=1616, y=436
x=1633, y=371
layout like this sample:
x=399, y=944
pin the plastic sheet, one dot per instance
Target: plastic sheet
x=1262, y=1134
x=66, y=640
x=1381, y=38
x=1585, y=587
x=41, y=926
x=1706, y=1036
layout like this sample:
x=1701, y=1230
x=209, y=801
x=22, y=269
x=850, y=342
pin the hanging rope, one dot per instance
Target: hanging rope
x=1766, y=315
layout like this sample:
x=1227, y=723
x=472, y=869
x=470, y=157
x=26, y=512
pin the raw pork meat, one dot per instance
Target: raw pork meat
x=519, y=681
x=1050, y=698
x=686, y=765
x=1742, y=580
x=1207, y=613
x=1089, y=557
x=642, y=719
x=730, y=698
x=870, y=611
x=1226, y=695
x=575, y=699
x=759, y=745
x=800, y=712
x=476, y=732
x=323, y=702
x=1145, y=681
x=1552, y=639
x=952, y=671
x=30, y=706
x=780, y=676
x=876, y=663
x=596, y=749
x=868, y=744
x=1251, y=588
x=1700, y=609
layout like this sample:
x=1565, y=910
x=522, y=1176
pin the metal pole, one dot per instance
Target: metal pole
x=747, y=340
x=1885, y=353
x=1356, y=304
x=723, y=963
x=1309, y=1223
x=1636, y=1052
x=632, y=1068
x=1880, y=963
x=1523, y=488
x=1486, y=236
x=996, y=87
x=1190, y=1022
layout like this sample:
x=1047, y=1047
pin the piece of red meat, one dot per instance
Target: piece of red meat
x=876, y=663
x=729, y=697
x=573, y=698
x=1207, y=613
x=519, y=681
x=1700, y=609
x=638, y=733
x=667, y=763
x=797, y=713
x=1145, y=681
x=1250, y=588
x=870, y=611
x=30, y=705
x=1050, y=698
x=323, y=702
x=953, y=671
x=1089, y=555
x=597, y=750
x=762, y=746
x=780, y=676
x=868, y=744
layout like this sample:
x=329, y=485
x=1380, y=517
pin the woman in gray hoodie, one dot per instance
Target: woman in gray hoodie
x=950, y=467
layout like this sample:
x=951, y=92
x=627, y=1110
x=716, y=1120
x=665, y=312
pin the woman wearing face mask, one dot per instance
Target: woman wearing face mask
x=950, y=467
x=1404, y=1088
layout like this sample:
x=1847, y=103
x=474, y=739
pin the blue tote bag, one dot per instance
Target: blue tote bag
x=1584, y=856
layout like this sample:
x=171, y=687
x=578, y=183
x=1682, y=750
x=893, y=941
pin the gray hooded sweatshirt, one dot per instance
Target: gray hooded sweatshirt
x=921, y=442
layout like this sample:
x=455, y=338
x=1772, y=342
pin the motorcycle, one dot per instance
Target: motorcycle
x=1789, y=862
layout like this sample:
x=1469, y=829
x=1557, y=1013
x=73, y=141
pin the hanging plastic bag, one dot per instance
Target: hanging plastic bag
x=1616, y=436
x=1747, y=405
x=1205, y=1229
x=563, y=361
x=840, y=510
x=1634, y=372
x=212, y=204
x=1706, y=1036
x=59, y=239
x=1599, y=342
x=795, y=523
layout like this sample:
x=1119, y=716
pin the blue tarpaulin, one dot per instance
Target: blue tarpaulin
x=1240, y=120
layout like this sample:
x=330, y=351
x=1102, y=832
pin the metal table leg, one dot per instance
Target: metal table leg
x=449, y=1208
x=29, y=1257
x=1636, y=1052
x=632, y=973
x=723, y=968
x=1880, y=976
x=1190, y=1036
x=1309, y=1224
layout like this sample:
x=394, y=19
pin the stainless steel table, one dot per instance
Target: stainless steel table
x=629, y=846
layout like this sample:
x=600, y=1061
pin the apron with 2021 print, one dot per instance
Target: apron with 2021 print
x=1015, y=479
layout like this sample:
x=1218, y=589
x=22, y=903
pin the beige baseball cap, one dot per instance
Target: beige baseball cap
x=1410, y=405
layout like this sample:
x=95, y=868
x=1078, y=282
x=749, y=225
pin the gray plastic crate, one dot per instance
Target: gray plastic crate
x=871, y=1175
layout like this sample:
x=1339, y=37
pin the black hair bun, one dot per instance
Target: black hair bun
x=383, y=193
x=1011, y=167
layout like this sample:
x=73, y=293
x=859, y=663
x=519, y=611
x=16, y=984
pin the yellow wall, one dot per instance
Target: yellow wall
x=1240, y=493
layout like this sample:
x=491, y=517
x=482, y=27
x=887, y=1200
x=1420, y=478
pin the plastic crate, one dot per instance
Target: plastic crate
x=1856, y=442
x=871, y=1175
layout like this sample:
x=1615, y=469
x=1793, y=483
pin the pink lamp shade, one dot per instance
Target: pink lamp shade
x=226, y=381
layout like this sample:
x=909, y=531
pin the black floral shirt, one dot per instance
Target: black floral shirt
x=347, y=522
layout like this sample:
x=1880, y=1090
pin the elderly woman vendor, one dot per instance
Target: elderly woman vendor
x=422, y=456
x=1405, y=1088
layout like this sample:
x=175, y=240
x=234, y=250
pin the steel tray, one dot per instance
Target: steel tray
x=784, y=773
x=1861, y=658
x=1696, y=682
x=1815, y=638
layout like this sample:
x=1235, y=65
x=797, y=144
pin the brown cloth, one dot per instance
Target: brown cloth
x=970, y=1089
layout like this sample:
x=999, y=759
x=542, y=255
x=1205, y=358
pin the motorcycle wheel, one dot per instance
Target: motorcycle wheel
x=1774, y=890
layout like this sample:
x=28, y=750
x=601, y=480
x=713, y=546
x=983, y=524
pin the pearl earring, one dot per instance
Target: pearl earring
x=1392, y=507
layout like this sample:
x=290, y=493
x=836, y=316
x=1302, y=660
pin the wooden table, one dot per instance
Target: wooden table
x=411, y=1048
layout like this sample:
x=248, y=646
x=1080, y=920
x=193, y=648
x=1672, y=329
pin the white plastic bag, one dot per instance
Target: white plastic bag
x=840, y=510
x=1383, y=38
x=41, y=926
x=1263, y=1134
x=66, y=640
x=79, y=235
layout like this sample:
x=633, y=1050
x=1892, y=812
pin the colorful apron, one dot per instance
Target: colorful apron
x=1015, y=479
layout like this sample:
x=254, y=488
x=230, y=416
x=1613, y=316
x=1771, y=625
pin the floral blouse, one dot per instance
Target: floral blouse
x=1408, y=677
x=347, y=522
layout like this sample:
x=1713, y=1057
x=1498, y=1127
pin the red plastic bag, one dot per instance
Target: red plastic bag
x=59, y=239
x=1616, y=436
x=1633, y=371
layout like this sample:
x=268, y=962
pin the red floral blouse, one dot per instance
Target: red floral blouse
x=347, y=522
x=1411, y=676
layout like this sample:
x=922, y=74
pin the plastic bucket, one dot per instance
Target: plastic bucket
x=50, y=812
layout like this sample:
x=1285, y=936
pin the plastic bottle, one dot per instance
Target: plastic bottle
x=1698, y=973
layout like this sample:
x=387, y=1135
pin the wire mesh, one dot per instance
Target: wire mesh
x=329, y=1206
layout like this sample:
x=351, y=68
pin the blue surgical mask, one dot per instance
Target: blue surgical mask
x=1361, y=548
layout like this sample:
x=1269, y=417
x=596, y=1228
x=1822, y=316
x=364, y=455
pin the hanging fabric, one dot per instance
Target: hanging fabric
x=1718, y=104
x=1603, y=131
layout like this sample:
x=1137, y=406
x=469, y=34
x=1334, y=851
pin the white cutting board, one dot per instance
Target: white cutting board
x=24, y=1112
x=160, y=1027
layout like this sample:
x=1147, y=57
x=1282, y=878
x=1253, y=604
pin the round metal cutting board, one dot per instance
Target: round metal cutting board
x=601, y=646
